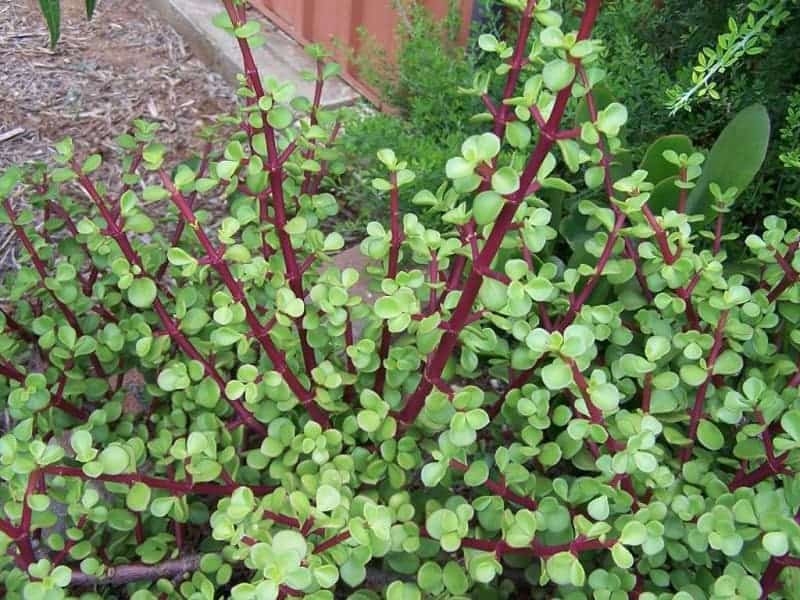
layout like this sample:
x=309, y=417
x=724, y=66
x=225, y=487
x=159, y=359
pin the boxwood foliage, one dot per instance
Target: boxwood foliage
x=204, y=408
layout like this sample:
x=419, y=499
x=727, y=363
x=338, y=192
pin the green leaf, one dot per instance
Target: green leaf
x=138, y=497
x=633, y=534
x=659, y=168
x=709, y=435
x=81, y=442
x=388, y=158
x=387, y=307
x=280, y=117
x=114, y=460
x=505, y=181
x=173, y=378
x=90, y=5
x=9, y=180
x=602, y=97
x=225, y=336
x=458, y=167
x=248, y=29
x=429, y=577
x=161, y=506
x=399, y=590
x=552, y=37
x=776, y=543
x=179, y=257
x=657, y=347
x=51, y=10
x=207, y=393
x=564, y=568
x=598, y=508
x=612, y=118
x=482, y=568
x=735, y=158
x=328, y=497
x=518, y=134
x=605, y=396
x=790, y=421
x=487, y=207
x=142, y=292
x=557, y=375
x=121, y=519
x=622, y=556
x=558, y=74
x=728, y=363
x=433, y=473
x=67, y=336
x=92, y=163
x=488, y=146
x=290, y=542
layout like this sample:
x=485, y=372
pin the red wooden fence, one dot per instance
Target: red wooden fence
x=323, y=21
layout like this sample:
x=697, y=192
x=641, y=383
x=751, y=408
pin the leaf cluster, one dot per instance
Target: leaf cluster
x=197, y=404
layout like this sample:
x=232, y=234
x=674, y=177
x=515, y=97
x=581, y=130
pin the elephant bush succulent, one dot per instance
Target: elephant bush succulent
x=557, y=392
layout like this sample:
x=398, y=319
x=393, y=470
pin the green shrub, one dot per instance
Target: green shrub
x=204, y=408
x=430, y=116
x=653, y=57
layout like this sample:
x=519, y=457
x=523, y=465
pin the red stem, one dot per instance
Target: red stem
x=58, y=402
x=10, y=371
x=15, y=327
x=181, y=224
x=69, y=544
x=647, y=393
x=595, y=415
x=498, y=488
x=23, y=537
x=175, y=487
x=774, y=464
x=608, y=183
x=661, y=235
x=578, y=301
x=790, y=275
x=274, y=165
x=700, y=397
x=501, y=113
x=718, y=233
x=331, y=542
x=259, y=332
x=349, y=391
x=686, y=295
x=41, y=270
x=394, y=260
x=769, y=580
x=437, y=362
x=684, y=193
x=433, y=278
x=536, y=548
x=119, y=236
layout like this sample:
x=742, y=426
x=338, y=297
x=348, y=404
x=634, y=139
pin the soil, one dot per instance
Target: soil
x=123, y=64
x=126, y=63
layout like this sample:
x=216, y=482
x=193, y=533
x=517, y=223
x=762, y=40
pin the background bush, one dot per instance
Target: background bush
x=429, y=117
x=651, y=47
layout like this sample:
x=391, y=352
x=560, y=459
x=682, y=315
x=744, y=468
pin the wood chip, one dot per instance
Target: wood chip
x=11, y=134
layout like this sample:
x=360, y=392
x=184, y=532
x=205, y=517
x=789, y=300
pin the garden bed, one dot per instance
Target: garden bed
x=124, y=64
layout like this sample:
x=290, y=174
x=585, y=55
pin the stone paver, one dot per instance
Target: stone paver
x=352, y=257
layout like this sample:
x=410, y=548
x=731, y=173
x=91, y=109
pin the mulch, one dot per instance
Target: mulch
x=126, y=63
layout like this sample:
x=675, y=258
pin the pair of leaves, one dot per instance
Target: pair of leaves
x=51, y=11
x=733, y=162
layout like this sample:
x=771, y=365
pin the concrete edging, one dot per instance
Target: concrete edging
x=281, y=57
